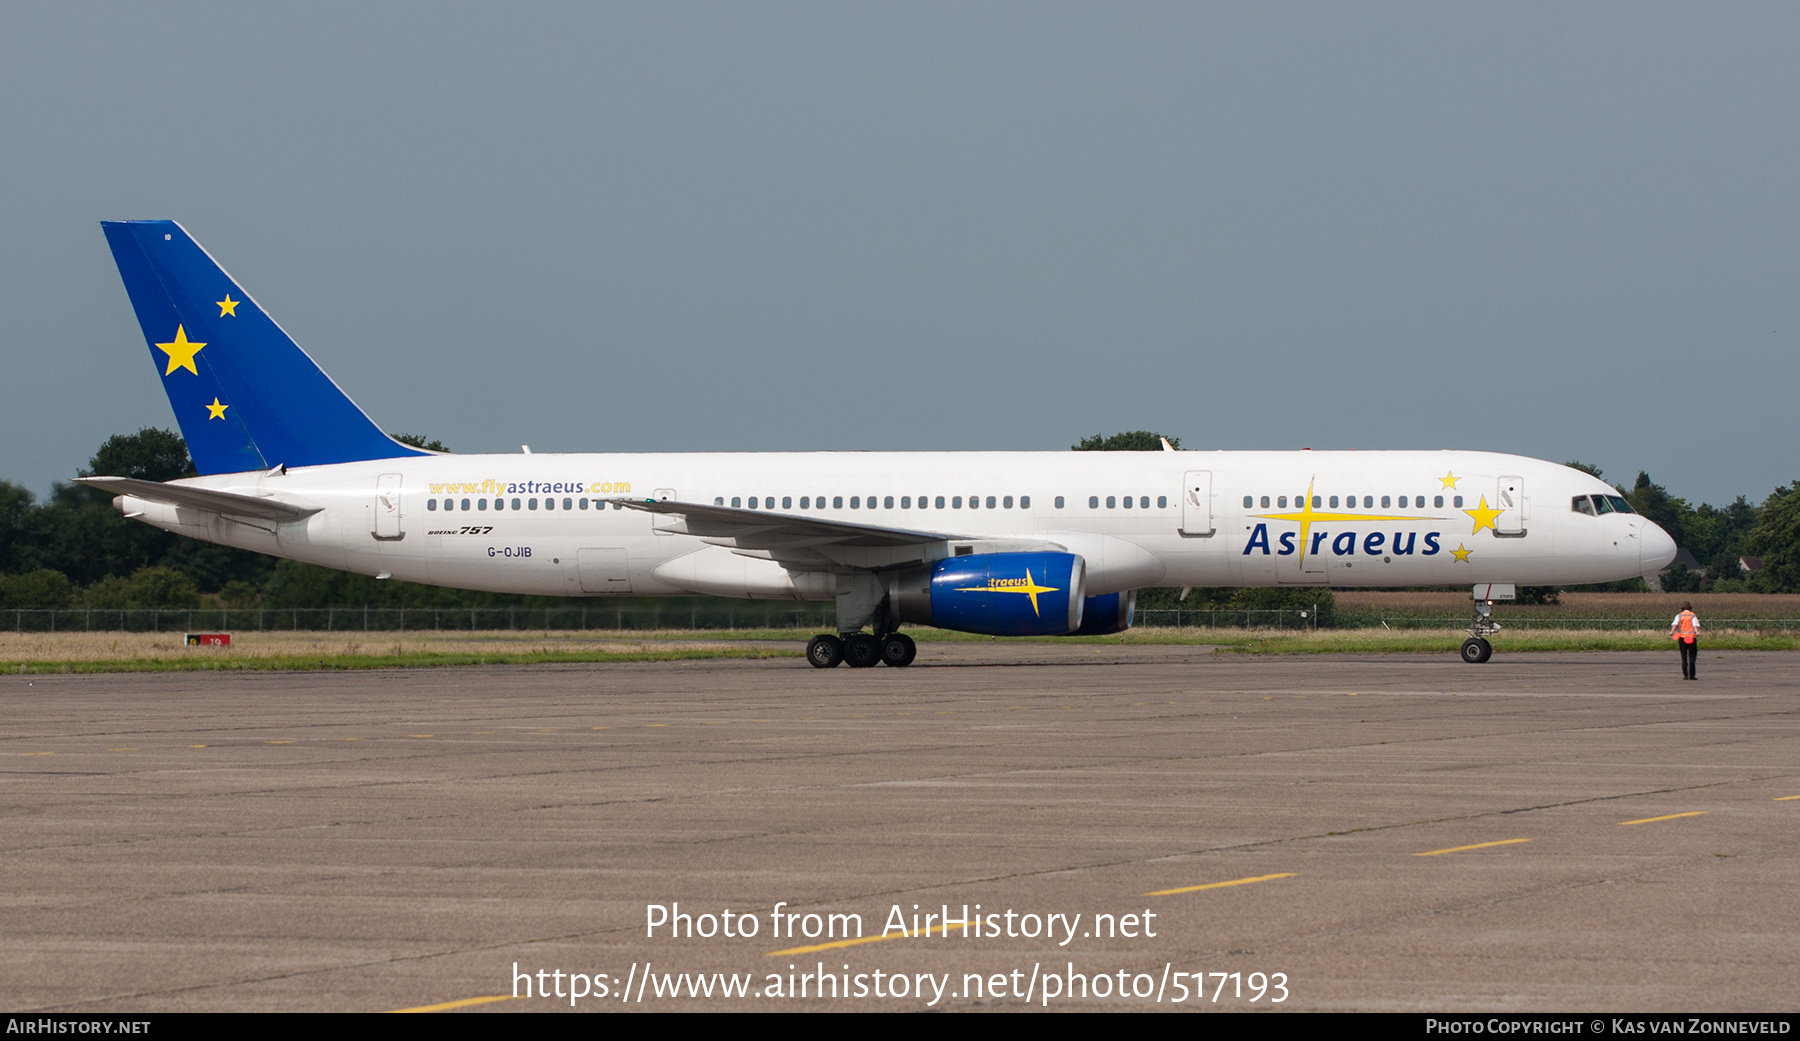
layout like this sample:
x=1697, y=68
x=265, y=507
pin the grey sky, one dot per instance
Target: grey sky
x=1565, y=230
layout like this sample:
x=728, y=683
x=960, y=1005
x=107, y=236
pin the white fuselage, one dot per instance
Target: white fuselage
x=1205, y=522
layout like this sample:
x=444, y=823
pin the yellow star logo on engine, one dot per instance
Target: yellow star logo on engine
x=181, y=352
x=216, y=410
x=228, y=306
x=1460, y=553
x=1449, y=479
x=1484, y=516
x=1029, y=587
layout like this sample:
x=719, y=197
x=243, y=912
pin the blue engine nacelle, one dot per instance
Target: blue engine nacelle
x=1111, y=613
x=996, y=594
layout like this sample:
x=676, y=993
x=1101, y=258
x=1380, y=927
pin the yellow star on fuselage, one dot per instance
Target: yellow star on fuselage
x=181, y=352
x=1029, y=588
x=1308, y=516
x=228, y=306
x=1449, y=479
x=216, y=410
x=1460, y=553
x=1484, y=516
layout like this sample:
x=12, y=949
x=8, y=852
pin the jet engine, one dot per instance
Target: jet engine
x=995, y=594
x=1111, y=613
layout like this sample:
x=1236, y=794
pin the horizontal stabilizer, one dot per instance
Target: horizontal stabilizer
x=234, y=503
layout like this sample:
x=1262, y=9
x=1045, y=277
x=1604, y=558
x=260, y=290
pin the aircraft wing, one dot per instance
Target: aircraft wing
x=762, y=529
x=234, y=503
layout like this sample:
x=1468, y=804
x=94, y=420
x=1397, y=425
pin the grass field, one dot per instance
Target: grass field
x=1579, y=605
x=158, y=652
x=161, y=652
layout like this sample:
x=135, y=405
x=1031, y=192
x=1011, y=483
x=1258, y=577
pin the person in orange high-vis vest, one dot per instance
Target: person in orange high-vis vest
x=1685, y=631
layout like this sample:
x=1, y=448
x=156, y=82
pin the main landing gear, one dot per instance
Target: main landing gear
x=861, y=650
x=1476, y=649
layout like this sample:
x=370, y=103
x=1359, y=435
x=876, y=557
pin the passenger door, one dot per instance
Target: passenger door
x=1509, y=499
x=1196, y=504
x=387, y=509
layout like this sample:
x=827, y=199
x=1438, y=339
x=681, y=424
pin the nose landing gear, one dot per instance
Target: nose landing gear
x=1476, y=649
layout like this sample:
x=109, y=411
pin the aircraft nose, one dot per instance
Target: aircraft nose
x=1655, y=548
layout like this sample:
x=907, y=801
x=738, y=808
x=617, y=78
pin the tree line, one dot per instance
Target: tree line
x=74, y=550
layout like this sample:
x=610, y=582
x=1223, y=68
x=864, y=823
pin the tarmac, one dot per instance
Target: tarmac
x=1545, y=832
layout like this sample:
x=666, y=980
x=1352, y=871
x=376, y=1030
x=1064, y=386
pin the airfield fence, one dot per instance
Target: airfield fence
x=714, y=615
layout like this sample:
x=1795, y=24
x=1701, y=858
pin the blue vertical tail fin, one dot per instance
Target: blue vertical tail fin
x=245, y=394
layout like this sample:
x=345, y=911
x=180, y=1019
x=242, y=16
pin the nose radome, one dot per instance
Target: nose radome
x=1655, y=548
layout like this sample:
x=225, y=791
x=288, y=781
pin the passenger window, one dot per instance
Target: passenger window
x=1384, y=502
x=1437, y=501
x=956, y=502
x=531, y=504
x=806, y=502
x=856, y=502
x=1127, y=502
x=1265, y=502
x=1007, y=502
x=568, y=504
x=499, y=504
x=549, y=504
x=431, y=504
x=939, y=503
x=906, y=502
x=1059, y=502
x=1093, y=502
x=1334, y=502
x=1162, y=502
x=1249, y=502
x=990, y=502
x=837, y=502
x=1143, y=502
x=1457, y=502
x=465, y=504
x=1024, y=502
x=887, y=503
x=1281, y=501
x=737, y=501
x=974, y=502
x=481, y=504
x=1112, y=502
x=1317, y=500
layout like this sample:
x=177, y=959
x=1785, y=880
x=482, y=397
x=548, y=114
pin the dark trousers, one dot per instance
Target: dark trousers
x=1690, y=650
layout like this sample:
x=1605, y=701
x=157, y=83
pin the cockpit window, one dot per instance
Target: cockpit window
x=1619, y=504
x=1580, y=504
x=1601, y=505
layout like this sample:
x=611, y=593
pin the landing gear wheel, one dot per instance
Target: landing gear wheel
x=1476, y=650
x=899, y=650
x=861, y=651
x=824, y=651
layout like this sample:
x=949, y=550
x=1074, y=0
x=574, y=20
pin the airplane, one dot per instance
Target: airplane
x=997, y=543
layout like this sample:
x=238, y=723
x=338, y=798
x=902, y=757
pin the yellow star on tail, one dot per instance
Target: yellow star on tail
x=1449, y=479
x=228, y=306
x=1484, y=517
x=1460, y=553
x=181, y=352
x=216, y=410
